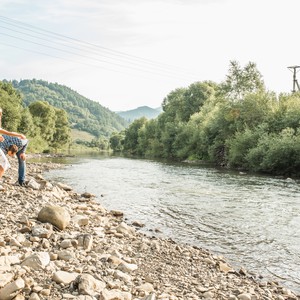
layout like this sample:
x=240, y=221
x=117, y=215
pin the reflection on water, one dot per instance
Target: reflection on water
x=253, y=221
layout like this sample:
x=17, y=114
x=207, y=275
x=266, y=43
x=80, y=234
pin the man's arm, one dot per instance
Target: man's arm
x=16, y=134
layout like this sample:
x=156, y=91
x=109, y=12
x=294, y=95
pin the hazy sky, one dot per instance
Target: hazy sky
x=130, y=53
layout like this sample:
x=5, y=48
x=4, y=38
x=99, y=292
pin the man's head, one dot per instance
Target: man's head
x=12, y=150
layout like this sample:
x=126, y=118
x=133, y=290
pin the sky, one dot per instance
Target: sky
x=130, y=53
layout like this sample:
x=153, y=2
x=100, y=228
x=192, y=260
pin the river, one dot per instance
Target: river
x=253, y=221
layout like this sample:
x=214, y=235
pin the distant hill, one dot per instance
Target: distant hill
x=84, y=114
x=143, y=111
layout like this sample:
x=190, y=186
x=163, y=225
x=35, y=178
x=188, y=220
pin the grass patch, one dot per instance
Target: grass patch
x=81, y=135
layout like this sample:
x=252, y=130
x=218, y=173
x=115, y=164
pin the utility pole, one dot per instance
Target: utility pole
x=295, y=81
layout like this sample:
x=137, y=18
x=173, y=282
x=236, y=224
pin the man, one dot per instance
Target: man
x=12, y=145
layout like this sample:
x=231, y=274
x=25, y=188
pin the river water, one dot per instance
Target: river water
x=253, y=221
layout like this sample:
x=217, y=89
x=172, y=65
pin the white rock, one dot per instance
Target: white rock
x=34, y=296
x=37, y=261
x=66, y=244
x=146, y=287
x=128, y=268
x=11, y=289
x=85, y=241
x=5, y=279
x=9, y=260
x=64, y=277
x=122, y=276
x=59, y=193
x=33, y=184
x=114, y=295
x=208, y=295
x=41, y=231
x=15, y=242
x=64, y=186
x=150, y=297
x=244, y=296
x=88, y=285
x=80, y=220
x=66, y=255
x=125, y=229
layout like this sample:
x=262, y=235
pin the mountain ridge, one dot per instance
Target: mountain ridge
x=139, y=112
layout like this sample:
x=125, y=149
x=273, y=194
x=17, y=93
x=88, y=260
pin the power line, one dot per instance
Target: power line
x=88, y=57
x=92, y=48
x=75, y=61
x=72, y=47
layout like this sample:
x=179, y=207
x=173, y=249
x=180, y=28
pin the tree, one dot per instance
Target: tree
x=11, y=104
x=61, y=134
x=26, y=125
x=194, y=97
x=116, y=141
x=44, y=117
x=131, y=135
x=241, y=81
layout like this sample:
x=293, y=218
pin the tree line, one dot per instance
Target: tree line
x=46, y=126
x=237, y=124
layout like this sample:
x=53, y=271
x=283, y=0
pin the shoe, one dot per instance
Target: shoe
x=17, y=183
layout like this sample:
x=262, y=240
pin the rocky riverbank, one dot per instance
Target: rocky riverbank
x=58, y=244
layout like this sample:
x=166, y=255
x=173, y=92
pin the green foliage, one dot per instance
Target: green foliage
x=181, y=103
x=81, y=135
x=83, y=114
x=44, y=125
x=100, y=144
x=236, y=124
x=277, y=154
x=62, y=135
x=240, y=144
x=43, y=115
x=26, y=125
x=286, y=113
x=242, y=81
x=37, y=144
x=131, y=135
x=116, y=141
x=11, y=104
x=148, y=143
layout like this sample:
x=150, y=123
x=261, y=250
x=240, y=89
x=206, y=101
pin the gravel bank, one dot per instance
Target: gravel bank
x=58, y=244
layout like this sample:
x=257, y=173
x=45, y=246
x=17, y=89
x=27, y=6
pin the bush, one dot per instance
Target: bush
x=277, y=154
x=240, y=145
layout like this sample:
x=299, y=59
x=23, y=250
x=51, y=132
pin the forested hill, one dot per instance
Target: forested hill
x=84, y=114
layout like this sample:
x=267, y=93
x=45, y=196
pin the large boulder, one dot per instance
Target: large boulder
x=56, y=215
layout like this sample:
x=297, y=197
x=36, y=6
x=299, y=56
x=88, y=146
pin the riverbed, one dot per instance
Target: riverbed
x=252, y=220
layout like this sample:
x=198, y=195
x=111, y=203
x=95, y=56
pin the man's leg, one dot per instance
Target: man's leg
x=22, y=168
